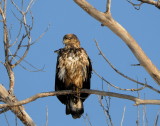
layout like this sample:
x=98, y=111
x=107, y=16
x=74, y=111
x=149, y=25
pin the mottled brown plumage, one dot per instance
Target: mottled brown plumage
x=73, y=72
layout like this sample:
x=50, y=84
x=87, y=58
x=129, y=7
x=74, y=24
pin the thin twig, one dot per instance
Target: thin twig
x=2, y=62
x=157, y=119
x=40, y=36
x=19, y=32
x=108, y=99
x=15, y=5
x=87, y=120
x=30, y=5
x=25, y=52
x=117, y=86
x=26, y=35
x=16, y=120
x=135, y=5
x=36, y=69
x=106, y=112
x=123, y=115
x=4, y=110
x=27, y=31
x=138, y=109
x=151, y=2
x=120, y=73
x=22, y=4
x=6, y=119
x=145, y=120
x=46, y=116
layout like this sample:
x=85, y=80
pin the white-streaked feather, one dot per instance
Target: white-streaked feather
x=61, y=73
x=72, y=67
x=77, y=105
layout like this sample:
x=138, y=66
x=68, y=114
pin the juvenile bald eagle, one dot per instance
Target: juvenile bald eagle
x=73, y=72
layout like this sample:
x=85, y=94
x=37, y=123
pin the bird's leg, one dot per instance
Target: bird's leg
x=78, y=92
x=77, y=95
x=75, y=89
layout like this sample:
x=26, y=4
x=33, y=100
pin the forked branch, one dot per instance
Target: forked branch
x=107, y=20
x=120, y=73
x=19, y=111
x=23, y=38
x=7, y=64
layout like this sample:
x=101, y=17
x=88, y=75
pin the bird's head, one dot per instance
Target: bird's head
x=71, y=40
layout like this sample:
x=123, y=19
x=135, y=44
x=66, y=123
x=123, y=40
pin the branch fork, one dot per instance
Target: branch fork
x=114, y=26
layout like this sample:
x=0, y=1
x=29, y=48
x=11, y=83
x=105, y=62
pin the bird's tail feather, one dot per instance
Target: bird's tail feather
x=74, y=107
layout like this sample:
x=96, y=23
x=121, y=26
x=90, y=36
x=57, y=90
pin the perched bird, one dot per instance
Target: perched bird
x=73, y=72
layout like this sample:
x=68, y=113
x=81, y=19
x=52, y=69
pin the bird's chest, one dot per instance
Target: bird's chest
x=70, y=66
x=72, y=59
x=71, y=62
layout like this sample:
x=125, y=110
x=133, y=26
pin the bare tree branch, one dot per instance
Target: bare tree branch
x=8, y=96
x=16, y=6
x=108, y=6
x=106, y=112
x=120, y=73
x=7, y=64
x=19, y=31
x=87, y=119
x=137, y=101
x=36, y=69
x=28, y=29
x=145, y=120
x=19, y=111
x=136, y=6
x=4, y=110
x=41, y=35
x=117, y=86
x=6, y=119
x=46, y=124
x=157, y=119
x=152, y=2
x=107, y=20
x=124, y=110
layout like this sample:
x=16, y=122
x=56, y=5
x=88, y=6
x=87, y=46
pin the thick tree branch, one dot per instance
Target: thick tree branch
x=137, y=101
x=107, y=20
x=17, y=110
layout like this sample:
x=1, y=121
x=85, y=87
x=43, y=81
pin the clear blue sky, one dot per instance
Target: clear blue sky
x=66, y=17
